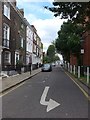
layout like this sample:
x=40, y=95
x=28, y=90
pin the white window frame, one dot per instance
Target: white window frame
x=34, y=48
x=34, y=36
x=31, y=35
x=6, y=35
x=16, y=55
x=6, y=31
x=22, y=26
x=22, y=40
x=7, y=10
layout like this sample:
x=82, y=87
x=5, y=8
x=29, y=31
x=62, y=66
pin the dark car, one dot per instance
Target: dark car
x=46, y=67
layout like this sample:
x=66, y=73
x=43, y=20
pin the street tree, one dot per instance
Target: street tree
x=68, y=41
x=56, y=57
x=51, y=50
x=51, y=53
x=74, y=11
x=46, y=59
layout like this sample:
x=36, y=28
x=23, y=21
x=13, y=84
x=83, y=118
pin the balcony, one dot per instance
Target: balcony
x=5, y=43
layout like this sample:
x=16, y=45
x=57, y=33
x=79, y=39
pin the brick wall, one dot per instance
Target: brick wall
x=73, y=59
x=86, y=56
x=16, y=33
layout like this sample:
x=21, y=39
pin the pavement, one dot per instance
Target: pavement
x=9, y=82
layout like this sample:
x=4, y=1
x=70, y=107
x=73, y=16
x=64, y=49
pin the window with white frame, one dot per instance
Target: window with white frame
x=31, y=35
x=22, y=42
x=7, y=10
x=27, y=45
x=22, y=26
x=6, y=35
x=34, y=36
x=37, y=41
x=34, y=48
x=37, y=51
x=16, y=57
x=7, y=57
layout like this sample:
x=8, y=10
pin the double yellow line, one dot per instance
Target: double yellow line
x=83, y=91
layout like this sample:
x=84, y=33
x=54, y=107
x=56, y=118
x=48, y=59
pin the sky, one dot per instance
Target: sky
x=44, y=21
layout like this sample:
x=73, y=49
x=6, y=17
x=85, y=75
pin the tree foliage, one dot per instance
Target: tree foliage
x=68, y=40
x=51, y=51
x=56, y=57
x=75, y=11
x=50, y=55
x=46, y=59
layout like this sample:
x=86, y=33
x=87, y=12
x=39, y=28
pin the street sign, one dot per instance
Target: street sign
x=82, y=51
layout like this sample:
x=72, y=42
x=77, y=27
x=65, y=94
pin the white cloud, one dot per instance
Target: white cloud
x=45, y=46
x=36, y=9
x=31, y=18
x=35, y=1
x=47, y=29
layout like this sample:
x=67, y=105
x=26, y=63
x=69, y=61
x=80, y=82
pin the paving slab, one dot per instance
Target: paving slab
x=8, y=82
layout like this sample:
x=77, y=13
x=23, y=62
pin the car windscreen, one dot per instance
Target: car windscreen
x=46, y=65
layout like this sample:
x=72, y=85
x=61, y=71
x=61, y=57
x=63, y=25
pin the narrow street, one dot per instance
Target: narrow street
x=32, y=99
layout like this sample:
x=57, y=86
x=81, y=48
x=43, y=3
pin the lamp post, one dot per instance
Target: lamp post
x=82, y=52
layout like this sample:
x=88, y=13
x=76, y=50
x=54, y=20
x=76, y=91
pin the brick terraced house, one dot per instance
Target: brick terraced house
x=18, y=39
x=13, y=36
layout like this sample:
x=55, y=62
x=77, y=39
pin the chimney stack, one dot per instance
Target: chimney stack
x=22, y=11
x=14, y=2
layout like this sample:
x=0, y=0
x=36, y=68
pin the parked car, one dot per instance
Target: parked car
x=46, y=67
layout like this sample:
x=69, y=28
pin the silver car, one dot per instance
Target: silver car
x=46, y=67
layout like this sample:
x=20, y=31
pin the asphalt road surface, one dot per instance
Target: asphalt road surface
x=46, y=95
